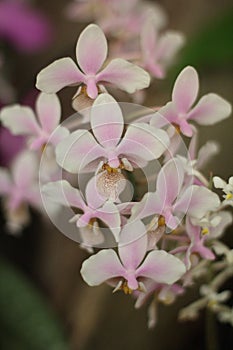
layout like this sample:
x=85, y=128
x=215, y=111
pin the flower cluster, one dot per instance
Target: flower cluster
x=153, y=244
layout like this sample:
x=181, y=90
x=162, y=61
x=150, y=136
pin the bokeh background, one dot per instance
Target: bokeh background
x=44, y=304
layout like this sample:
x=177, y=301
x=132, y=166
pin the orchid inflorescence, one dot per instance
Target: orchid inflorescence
x=163, y=237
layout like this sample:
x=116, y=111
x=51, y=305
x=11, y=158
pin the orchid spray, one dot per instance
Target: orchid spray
x=118, y=178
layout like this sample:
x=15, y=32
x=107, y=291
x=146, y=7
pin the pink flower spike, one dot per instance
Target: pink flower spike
x=91, y=52
x=82, y=152
x=158, y=265
x=209, y=110
x=21, y=120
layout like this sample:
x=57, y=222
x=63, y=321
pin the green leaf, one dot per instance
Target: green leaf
x=26, y=321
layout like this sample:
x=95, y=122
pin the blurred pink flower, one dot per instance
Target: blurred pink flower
x=130, y=267
x=10, y=146
x=25, y=27
x=91, y=53
x=21, y=120
x=158, y=50
x=209, y=110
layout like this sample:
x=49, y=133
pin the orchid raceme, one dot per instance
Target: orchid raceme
x=209, y=110
x=91, y=53
x=21, y=120
x=93, y=207
x=129, y=269
x=81, y=151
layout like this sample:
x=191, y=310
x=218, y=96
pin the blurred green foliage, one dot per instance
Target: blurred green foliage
x=212, y=45
x=26, y=321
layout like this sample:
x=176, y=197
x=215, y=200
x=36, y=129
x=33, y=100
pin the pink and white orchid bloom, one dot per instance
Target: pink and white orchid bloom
x=130, y=267
x=81, y=151
x=171, y=201
x=93, y=206
x=227, y=188
x=21, y=120
x=209, y=110
x=159, y=50
x=91, y=53
x=197, y=244
x=20, y=188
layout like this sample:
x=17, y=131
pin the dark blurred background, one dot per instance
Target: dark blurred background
x=44, y=304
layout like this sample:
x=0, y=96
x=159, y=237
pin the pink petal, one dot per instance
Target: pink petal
x=78, y=150
x=161, y=267
x=206, y=152
x=20, y=120
x=91, y=50
x=59, y=74
x=151, y=204
x=93, y=197
x=132, y=244
x=63, y=193
x=48, y=110
x=125, y=75
x=169, y=181
x=92, y=89
x=196, y=201
x=210, y=109
x=25, y=179
x=143, y=142
x=110, y=215
x=148, y=40
x=106, y=120
x=101, y=267
x=185, y=89
x=169, y=43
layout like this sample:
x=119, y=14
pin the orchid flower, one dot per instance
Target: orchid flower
x=81, y=151
x=31, y=30
x=91, y=53
x=171, y=199
x=130, y=267
x=209, y=110
x=94, y=206
x=21, y=120
x=197, y=244
x=19, y=187
x=158, y=51
x=226, y=187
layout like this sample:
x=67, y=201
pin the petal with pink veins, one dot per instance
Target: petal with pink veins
x=161, y=267
x=106, y=120
x=101, y=267
x=132, y=244
x=142, y=141
x=185, y=89
x=110, y=215
x=125, y=75
x=169, y=181
x=57, y=75
x=78, y=150
x=211, y=109
x=48, y=110
x=91, y=50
